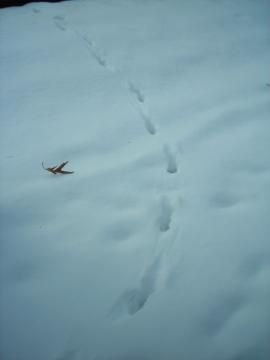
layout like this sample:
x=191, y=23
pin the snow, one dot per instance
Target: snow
x=157, y=247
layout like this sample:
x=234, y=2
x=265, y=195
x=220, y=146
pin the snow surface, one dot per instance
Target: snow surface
x=157, y=248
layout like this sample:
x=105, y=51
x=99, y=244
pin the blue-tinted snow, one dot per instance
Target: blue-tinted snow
x=158, y=246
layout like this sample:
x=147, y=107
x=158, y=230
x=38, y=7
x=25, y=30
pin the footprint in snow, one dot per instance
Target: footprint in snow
x=165, y=214
x=99, y=58
x=133, y=300
x=60, y=22
x=87, y=41
x=149, y=126
x=130, y=302
x=96, y=54
x=171, y=160
x=133, y=89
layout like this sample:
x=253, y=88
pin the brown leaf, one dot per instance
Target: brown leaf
x=58, y=169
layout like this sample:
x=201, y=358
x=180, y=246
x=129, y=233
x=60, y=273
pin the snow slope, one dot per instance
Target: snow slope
x=158, y=246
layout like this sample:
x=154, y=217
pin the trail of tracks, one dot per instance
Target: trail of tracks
x=157, y=270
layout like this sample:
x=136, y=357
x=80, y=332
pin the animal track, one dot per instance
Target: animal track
x=86, y=39
x=100, y=59
x=133, y=300
x=133, y=89
x=150, y=127
x=60, y=22
x=91, y=46
x=130, y=302
x=156, y=275
x=165, y=216
x=171, y=160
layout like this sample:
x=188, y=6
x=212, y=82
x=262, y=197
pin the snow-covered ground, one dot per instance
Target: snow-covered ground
x=157, y=247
